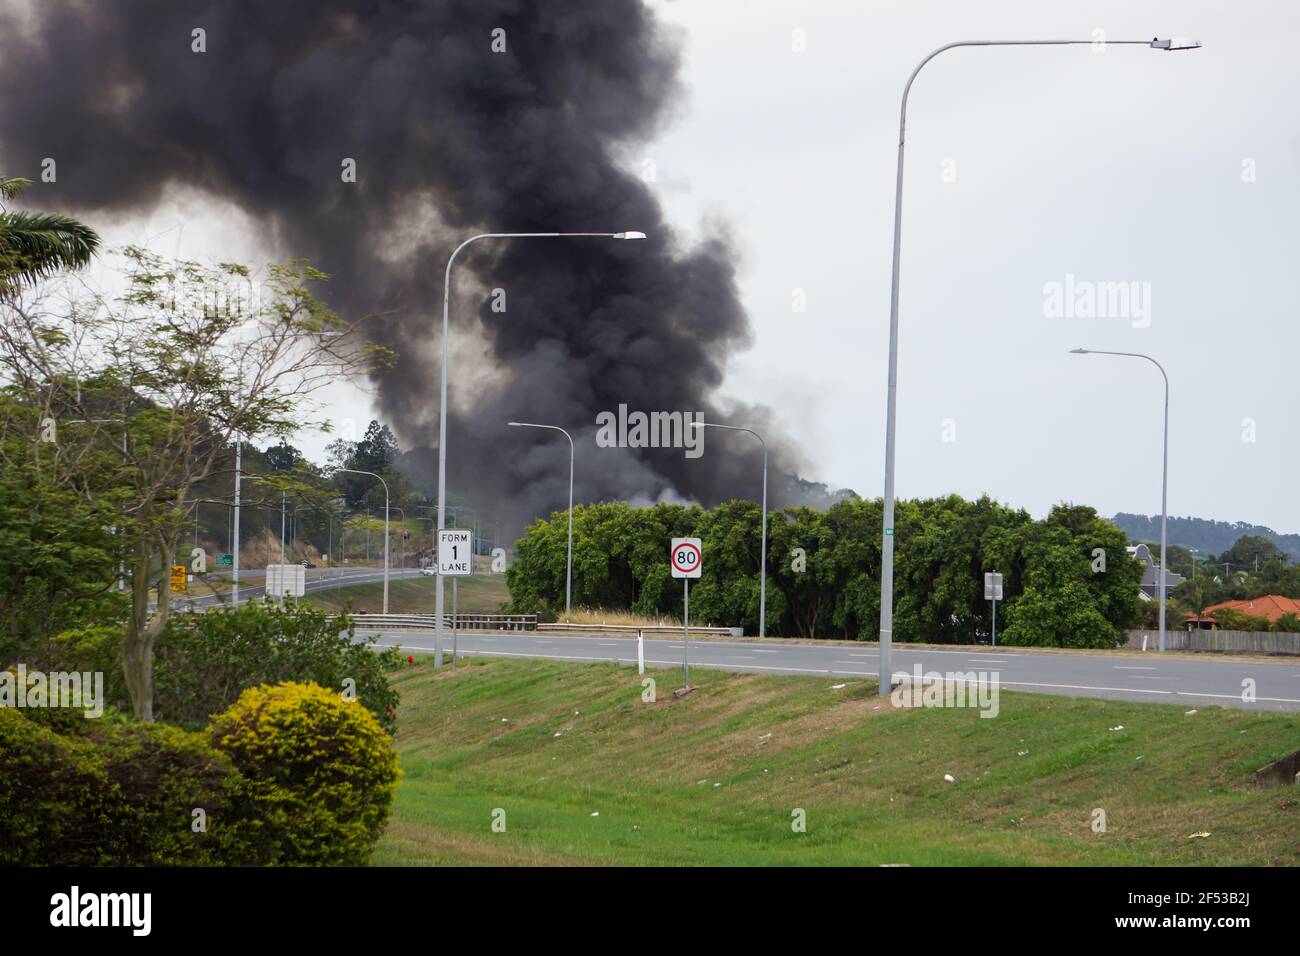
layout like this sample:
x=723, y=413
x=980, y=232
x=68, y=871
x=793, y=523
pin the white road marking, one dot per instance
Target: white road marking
x=1277, y=700
x=1128, y=667
x=1122, y=690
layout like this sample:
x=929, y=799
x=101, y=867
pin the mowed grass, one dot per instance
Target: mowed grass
x=479, y=594
x=713, y=778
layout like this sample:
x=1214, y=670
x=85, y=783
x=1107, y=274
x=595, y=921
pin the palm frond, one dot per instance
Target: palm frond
x=11, y=187
x=37, y=244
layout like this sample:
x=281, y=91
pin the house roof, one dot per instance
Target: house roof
x=1271, y=606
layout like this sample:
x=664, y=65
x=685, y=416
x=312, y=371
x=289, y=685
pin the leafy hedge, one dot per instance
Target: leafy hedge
x=204, y=661
x=121, y=794
x=290, y=775
x=824, y=568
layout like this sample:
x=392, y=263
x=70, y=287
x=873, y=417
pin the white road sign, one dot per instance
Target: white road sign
x=686, y=558
x=992, y=586
x=455, y=552
x=286, y=580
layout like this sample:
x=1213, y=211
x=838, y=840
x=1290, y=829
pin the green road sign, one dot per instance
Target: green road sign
x=227, y=559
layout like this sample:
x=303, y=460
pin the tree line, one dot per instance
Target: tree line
x=1068, y=580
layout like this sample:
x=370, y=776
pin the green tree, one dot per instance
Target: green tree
x=161, y=380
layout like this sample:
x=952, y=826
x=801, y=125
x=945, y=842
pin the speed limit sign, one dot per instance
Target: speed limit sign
x=686, y=558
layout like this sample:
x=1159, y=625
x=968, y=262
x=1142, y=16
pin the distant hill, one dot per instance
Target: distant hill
x=1208, y=537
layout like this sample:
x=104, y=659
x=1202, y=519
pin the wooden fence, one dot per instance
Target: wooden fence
x=1257, y=642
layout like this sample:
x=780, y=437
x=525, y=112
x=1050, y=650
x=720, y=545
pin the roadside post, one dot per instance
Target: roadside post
x=686, y=561
x=640, y=653
x=456, y=560
x=993, y=592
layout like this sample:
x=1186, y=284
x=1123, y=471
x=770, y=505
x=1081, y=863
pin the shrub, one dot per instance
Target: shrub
x=204, y=661
x=46, y=783
x=321, y=773
x=157, y=776
x=1066, y=617
x=120, y=795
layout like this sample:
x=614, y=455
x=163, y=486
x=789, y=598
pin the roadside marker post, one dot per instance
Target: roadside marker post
x=455, y=560
x=993, y=592
x=686, y=561
x=640, y=653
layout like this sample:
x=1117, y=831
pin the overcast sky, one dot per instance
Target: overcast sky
x=1024, y=166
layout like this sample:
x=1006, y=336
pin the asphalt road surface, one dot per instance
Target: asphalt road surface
x=318, y=579
x=1169, y=679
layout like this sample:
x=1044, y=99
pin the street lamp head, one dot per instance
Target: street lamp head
x=1078, y=351
x=1175, y=43
x=629, y=235
x=514, y=424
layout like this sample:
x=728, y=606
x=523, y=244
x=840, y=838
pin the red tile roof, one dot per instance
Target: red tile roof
x=1271, y=606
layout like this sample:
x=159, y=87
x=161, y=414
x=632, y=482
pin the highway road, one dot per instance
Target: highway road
x=1169, y=679
x=318, y=579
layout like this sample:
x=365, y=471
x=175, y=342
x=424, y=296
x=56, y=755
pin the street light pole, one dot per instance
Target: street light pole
x=568, y=568
x=891, y=405
x=1164, y=479
x=234, y=551
x=442, y=386
x=762, y=560
x=355, y=471
x=401, y=562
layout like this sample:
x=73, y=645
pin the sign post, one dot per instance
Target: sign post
x=993, y=592
x=456, y=560
x=686, y=560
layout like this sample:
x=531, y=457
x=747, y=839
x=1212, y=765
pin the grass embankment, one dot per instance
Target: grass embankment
x=479, y=594
x=713, y=778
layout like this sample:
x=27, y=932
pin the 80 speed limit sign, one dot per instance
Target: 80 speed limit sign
x=686, y=558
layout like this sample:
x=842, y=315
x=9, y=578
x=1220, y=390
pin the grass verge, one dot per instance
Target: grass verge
x=480, y=594
x=714, y=778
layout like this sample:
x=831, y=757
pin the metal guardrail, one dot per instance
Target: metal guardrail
x=521, y=622
x=643, y=628
x=464, y=622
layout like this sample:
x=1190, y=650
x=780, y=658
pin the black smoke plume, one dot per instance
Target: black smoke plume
x=450, y=138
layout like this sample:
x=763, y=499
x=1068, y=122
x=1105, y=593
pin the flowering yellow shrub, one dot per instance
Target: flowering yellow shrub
x=321, y=773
